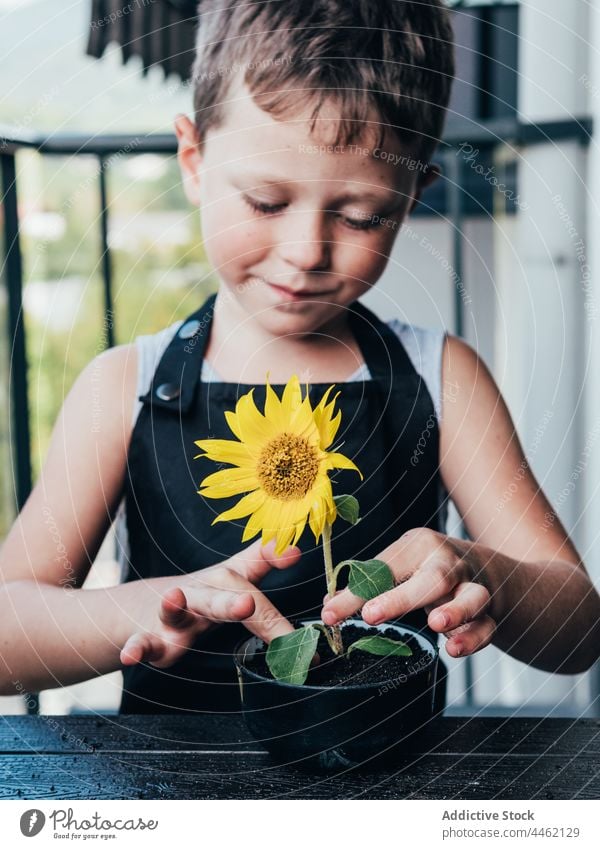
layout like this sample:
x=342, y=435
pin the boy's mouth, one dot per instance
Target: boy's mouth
x=294, y=294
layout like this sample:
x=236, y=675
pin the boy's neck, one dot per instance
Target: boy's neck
x=330, y=353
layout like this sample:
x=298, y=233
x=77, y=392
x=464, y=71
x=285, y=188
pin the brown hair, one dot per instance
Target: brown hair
x=393, y=56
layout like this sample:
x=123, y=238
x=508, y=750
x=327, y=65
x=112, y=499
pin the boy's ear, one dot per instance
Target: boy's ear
x=189, y=156
x=423, y=180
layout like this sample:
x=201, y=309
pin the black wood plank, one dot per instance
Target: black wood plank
x=82, y=733
x=215, y=775
x=462, y=735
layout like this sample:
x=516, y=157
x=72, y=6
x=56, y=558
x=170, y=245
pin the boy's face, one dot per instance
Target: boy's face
x=295, y=230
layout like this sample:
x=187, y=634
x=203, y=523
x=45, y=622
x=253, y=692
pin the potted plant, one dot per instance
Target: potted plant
x=373, y=686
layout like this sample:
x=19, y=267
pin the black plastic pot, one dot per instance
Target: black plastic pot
x=339, y=726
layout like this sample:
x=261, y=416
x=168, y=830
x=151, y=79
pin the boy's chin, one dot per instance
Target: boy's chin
x=294, y=318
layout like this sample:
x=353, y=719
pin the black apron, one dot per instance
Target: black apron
x=386, y=421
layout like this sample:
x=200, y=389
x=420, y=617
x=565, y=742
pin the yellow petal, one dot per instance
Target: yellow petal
x=323, y=418
x=254, y=428
x=273, y=409
x=225, y=451
x=246, y=505
x=284, y=538
x=231, y=475
x=317, y=517
x=300, y=525
x=286, y=527
x=334, y=460
x=334, y=425
x=303, y=424
x=228, y=488
x=256, y=522
x=278, y=519
x=233, y=424
x=322, y=404
x=292, y=397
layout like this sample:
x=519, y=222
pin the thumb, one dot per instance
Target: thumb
x=254, y=562
x=141, y=648
x=287, y=558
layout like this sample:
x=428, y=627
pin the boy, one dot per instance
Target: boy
x=285, y=163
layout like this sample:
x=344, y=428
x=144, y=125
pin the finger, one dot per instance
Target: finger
x=415, y=591
x=174, y=611
x=471, y=637
x=429, y=607
x=470, y=602
x=343, y=604
x=256, y=561
x=132, y=652
x=260, y=616
x=220, y=605
x=141, y=648
x=267, y=622
x=422, y=588
x=327, y=597
x=400, y=557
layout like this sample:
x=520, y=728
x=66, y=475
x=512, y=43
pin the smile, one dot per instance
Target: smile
x=295, y=294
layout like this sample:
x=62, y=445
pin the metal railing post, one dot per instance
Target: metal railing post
x=19, y=406
x=109, y=332
x=455, y=189
x=19, y=430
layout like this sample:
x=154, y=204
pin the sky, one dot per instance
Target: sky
x=49, y=84
x=10, y=4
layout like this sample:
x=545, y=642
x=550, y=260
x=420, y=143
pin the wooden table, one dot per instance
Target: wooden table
x=213, y=757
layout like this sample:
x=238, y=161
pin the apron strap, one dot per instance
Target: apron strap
x=175, y=380
x=383, y=352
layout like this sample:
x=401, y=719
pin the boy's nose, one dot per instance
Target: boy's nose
x=304, y=244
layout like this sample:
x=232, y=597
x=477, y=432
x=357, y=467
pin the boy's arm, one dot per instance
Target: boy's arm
x=520, y=583
x=542, y=599
x=52, y=636
x=52, y=632
x=53, y=542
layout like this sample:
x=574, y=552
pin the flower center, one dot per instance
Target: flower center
x=287, y=467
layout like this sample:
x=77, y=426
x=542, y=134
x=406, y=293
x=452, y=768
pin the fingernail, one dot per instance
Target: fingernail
x=458, y=649
x=373, y=610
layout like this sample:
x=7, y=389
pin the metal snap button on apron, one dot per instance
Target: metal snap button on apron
x=168, y=391
x=189, y=329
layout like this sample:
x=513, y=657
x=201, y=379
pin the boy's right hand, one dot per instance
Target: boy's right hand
x=223, y=593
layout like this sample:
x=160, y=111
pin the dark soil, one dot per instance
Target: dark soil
x=360, y=667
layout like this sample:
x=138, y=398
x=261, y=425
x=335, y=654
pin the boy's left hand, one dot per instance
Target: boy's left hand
x=435, y=572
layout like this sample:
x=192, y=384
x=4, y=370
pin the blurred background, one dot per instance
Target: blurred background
x=99, y=245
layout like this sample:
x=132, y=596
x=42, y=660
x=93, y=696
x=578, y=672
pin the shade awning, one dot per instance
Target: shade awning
x=160, y=32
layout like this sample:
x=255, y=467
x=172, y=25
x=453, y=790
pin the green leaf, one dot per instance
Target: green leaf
x=348, y=508
x=289, y=657
x=369, y=578
x=381, y=646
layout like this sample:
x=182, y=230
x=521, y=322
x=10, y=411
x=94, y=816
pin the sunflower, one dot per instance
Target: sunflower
x=280, y=460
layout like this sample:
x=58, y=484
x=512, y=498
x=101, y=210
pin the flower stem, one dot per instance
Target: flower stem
x=336, y=631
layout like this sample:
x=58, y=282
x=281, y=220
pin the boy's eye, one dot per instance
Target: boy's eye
x=264, y=208
x=354, y=223
x=363, y=223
